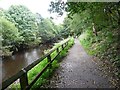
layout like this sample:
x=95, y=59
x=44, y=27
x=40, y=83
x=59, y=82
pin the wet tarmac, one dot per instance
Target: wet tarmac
x=80, y=70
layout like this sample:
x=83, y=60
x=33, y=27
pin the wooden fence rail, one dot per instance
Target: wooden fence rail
x=22, y=74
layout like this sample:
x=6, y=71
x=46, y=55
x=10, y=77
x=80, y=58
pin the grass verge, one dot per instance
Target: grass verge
x=50, y=70
x=104, y=46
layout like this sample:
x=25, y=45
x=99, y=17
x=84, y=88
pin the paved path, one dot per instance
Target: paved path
x=79, y=70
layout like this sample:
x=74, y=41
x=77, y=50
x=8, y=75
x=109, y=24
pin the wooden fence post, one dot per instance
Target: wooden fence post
x=49, y=59
x=57, y=49
x=22, y=75
x=24, y=80
x=50, y=65
x=62, y=46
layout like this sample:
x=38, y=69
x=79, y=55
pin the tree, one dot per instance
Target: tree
x=98, y=23
x=10, y=36
x=25, y=21
x=47, y=29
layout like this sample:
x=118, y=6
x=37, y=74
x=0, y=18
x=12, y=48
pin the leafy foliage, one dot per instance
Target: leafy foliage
x=46, y=29
x=10, y=36
x=49, y=71
x=21, y=28
x=24, y=20
x=98, y=25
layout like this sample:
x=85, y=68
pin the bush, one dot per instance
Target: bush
x=10, y=35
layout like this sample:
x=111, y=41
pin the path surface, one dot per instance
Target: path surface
x=79, y=70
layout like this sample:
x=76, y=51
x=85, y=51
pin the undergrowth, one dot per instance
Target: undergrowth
x=103, y=46
x=50, y=70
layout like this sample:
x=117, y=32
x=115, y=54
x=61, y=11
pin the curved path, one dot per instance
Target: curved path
x=79, y=70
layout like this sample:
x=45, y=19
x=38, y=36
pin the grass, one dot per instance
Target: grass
x=104, y=46
x=50, y=70
x=55, y=64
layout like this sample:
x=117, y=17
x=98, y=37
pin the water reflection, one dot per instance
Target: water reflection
x=11, y=65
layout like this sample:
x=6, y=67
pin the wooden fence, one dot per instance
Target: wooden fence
x=22, y=74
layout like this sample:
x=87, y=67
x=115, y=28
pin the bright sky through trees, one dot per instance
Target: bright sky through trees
x=39, y=6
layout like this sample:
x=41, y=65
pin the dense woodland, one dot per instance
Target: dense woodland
x=96, y=24
x=20, y=29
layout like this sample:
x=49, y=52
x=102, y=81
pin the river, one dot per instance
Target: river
x=13, y=64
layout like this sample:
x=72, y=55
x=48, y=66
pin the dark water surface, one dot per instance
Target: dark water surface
x=13, y=64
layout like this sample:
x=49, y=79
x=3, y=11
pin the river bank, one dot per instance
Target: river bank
x=20, y=60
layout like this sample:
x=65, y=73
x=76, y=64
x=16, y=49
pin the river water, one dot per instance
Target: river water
x=13, y=64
